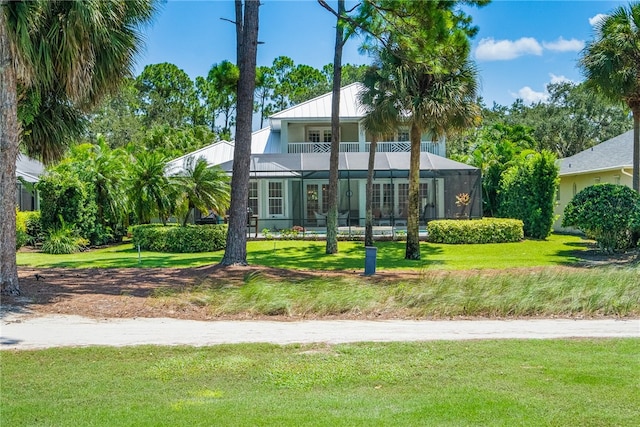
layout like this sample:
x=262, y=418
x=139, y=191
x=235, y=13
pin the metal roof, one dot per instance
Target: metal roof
x=303, y=164
x=320, y=107
x=613, y=154
x=214, y=154
x=28, y=169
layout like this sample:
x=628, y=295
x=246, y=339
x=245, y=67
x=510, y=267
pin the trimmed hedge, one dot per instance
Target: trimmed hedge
x=485, y=230
x=190, y=238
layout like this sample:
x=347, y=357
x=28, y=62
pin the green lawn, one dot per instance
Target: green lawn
x=484, y=383
x=296, y=254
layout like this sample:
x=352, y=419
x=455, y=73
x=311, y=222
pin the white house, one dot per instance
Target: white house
x=29, y=171
x=290, y=169
x=608, y=162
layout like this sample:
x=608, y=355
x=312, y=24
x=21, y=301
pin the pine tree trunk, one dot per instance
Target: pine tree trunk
x=413, y=236
x=332, y=214
x=236, y=250
x=368, y=224
x=9, y=134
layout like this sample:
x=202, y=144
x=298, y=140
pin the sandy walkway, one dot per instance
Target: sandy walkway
x=19, y=331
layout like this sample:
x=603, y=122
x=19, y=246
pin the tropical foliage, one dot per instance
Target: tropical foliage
x=59, y=58
x=572, y=119
x=203, y=187
x=528, y=192
x=606, y=212
x=611, y=64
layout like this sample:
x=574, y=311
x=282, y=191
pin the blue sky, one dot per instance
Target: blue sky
x=520, y=48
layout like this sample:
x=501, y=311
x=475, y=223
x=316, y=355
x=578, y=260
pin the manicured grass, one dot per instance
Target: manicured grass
x=296, y=254
x=523, y=383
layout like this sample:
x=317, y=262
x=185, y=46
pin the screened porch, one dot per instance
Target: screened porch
x=289, y=190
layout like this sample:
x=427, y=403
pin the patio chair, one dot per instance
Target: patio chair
x=342, y=218
x=321, y=219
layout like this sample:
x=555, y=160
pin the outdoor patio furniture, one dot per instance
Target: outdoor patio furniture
x=321, y=219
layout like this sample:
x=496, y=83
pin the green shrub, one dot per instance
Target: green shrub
x=485, y=230
x=190, y=238
x=34, y=227
x=634, y=221
x=605, y=211
x=21, y=229
x=527, y=192
x=65, y=198
x=63, y=240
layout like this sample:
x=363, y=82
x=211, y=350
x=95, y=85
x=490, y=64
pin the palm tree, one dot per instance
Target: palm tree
x=149, y=188
x=58, y=53
x=203, y=187
x=611, y=65
x=382, y=116
x=107, y=169
x=433, y=99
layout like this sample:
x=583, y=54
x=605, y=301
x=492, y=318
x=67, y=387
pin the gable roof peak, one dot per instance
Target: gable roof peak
x=320, y=107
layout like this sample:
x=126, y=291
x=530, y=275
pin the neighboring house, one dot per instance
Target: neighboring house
x=608, y=162
x=29, y=171
x=290, y=170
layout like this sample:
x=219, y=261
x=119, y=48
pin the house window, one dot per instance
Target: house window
x=326, y=136
x=313, y=136
x=403, y=197
x=253, y=197
x=317, y=199
x=312, y=200
x=276, y=198
x=403, y=136
x=325, y=197
x=403, y=200
x=319, y=135
x=382, y=200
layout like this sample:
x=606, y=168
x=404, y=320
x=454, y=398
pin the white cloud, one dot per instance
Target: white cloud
x=595, y=20
x=530, y=96
x=500, y=50
x=562, y=45
x=559, y=79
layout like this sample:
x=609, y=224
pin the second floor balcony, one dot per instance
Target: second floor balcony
x=437, y=148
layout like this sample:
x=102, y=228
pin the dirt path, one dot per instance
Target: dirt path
x=28, y=332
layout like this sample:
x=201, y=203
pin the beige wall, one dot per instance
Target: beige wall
x=572, y=184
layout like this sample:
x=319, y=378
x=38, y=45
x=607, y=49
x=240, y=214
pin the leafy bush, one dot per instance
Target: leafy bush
x=634, y=221
x=608, y=212
x=34, y=227
x=21, y=229
x=190, y=238
x=63, y=240
x=527, y=192
x=485, y=230
x=65, y=198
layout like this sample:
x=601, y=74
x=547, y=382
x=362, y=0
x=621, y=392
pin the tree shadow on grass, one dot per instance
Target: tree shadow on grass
x=390, y=255
x=588, y=256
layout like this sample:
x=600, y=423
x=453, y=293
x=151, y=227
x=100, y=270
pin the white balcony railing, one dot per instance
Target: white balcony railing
x=322, y=147
x=355, y=147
